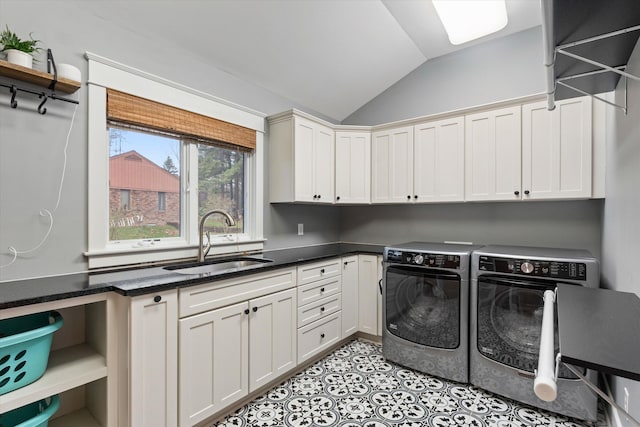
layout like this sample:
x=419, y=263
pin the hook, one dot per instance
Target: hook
x=42, y=110
x=14, y=92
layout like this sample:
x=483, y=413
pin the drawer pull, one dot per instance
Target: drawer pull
x=246, y=311
x=321, y=308
x=322, y=271
x=322, y=335
x=157, y=298
x=255, y=309
x=321, y=290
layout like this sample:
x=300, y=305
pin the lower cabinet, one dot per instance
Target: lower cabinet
x=368, y=292
x=349, y=295
x=228, y=352
x=153, y=360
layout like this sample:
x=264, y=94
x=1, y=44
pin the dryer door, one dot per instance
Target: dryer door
x=510, y=320
x=423, y=306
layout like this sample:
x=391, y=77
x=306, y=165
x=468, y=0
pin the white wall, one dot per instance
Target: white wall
x=621, y=221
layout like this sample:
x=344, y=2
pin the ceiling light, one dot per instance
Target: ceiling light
x=466, y=20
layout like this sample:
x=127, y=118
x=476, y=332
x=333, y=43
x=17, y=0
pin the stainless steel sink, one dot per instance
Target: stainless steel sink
x=219, y=266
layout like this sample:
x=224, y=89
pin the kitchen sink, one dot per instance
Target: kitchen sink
x=226, y=265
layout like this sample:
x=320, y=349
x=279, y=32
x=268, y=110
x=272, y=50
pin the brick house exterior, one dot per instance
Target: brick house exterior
x=153, y=193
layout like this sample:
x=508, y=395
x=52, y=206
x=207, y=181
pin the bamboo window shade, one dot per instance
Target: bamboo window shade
x=132, y=110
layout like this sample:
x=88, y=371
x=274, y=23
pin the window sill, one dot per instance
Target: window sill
x=155, y=253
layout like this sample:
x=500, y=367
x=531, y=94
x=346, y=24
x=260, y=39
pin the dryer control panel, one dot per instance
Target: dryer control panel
x=533, y=267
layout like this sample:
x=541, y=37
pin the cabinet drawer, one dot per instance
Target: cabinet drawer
x=319, y=309
x=319, y=270
x=318, y=290
x=198, y=299
x=317, y=336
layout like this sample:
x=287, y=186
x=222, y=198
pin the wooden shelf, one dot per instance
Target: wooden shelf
x=68, y=368
x=81, y=418
x=39, y=78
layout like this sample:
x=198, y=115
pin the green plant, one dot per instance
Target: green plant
x=10, y=40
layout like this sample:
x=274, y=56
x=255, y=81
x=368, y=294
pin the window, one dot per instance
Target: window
x=176, y=153
x=162, y=201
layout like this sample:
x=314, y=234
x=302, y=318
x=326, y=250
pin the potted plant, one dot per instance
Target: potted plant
x=19, y=51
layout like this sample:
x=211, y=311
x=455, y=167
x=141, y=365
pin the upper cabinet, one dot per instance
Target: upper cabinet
x=557, y=150
x=492, y=155
x=353, y=167
x=438, y=161
x=392, y=165
x=301, y=154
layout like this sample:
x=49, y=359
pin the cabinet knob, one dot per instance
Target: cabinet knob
x=322, y=271
x=516, y=192
x=321, y=308
x=322, y=335
x=157, y=298
x=408, y=197
x=415, y=196
x=337, y=197
x=321, y=289
x=526, y=192
x=318, y=196
x=315, y=196
x=255, y=309
x=246, y=311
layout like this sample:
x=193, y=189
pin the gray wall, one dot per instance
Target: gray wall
x=500, y=69
x=574, y=224
x=621, y=224
x=31, y=145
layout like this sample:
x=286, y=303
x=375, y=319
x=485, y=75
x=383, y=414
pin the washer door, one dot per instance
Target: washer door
x=423, y=306
x=510, y=321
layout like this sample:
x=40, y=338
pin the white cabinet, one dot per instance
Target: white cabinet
x=82, y=365
x=301, y=160
x=557, y=150
x=438, y=161
x=245, y=338
x=353, y=167
x=493, y=155
x=368, y=294
x=419, y=164
x=349, y=295
x=392, y=165
x=153, y=362
x=319, y=307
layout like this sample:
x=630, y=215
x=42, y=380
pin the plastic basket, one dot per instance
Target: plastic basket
x=24, y=348
x=35, y=414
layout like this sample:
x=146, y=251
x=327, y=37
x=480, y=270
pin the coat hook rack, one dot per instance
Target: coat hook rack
x=52, y=69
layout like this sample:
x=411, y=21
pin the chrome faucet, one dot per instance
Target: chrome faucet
x=202, y=250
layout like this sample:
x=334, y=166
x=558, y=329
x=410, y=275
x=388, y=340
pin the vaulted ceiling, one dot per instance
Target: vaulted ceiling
x=299, y=48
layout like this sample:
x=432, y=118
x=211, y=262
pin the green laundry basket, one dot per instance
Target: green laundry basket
x=35, y=414
x=24, y=348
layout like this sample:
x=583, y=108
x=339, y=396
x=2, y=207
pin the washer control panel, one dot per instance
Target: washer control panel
x=533, y=267
x=423, y=259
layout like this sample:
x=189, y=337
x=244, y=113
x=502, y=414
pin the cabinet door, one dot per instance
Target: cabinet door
x=557, y=150
x=392, y=166
x=438, y=166
x=272, y=337
x=349, y=296
x=214, y=360
x=304, y=135
x=368, y=294
x=353, y=167
x=492, y=155
x=154, y=360
x=323, y=169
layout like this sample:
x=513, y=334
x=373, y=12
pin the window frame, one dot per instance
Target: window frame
x=101, y=253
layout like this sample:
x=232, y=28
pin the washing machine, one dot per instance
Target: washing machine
x=425, y=307
x=507, y=287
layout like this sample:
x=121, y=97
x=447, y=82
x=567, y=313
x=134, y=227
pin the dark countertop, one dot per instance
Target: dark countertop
x=143, y=281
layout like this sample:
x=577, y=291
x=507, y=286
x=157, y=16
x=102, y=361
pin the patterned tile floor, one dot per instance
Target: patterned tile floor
x=356, y=386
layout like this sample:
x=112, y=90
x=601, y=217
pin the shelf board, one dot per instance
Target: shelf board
x=39, y=78
x=68, y=368
x=81, y=418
